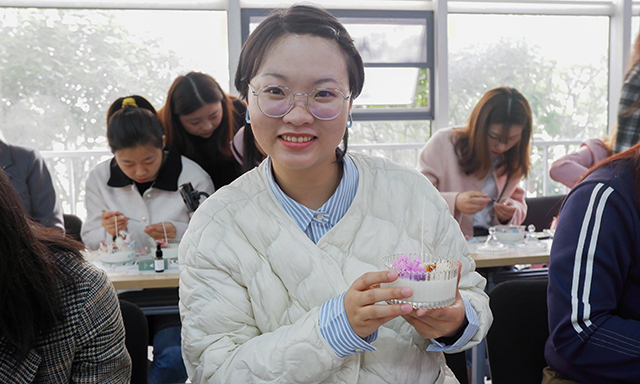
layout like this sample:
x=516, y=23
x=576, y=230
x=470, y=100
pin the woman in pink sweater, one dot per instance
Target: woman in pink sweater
x=477, y=168
x=569, y=169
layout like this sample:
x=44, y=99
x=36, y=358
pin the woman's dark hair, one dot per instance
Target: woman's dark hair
x=29, y=300
x=299, y=20
x=506, y=107
x=132, y=121
x=187, y=94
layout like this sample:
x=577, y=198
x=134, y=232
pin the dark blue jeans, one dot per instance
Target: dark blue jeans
x=167, y=365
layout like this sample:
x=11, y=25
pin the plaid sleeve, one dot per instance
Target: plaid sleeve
x=628, y=124
x=101, y=356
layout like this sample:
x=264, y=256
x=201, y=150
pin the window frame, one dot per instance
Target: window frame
x=378, y=114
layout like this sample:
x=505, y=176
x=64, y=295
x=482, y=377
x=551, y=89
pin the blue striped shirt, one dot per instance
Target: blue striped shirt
x=333, y=321
x=316, y=223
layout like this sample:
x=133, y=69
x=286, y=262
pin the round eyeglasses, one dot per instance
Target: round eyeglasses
x=278, y=100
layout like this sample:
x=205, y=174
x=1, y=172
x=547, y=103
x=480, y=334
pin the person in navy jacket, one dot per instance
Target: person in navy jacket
x=594, y=277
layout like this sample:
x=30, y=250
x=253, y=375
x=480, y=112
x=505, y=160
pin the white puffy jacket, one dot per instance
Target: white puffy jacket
x=252, y=283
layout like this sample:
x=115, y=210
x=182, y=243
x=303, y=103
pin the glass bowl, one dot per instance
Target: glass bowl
x=509, y=233
x=434, y=280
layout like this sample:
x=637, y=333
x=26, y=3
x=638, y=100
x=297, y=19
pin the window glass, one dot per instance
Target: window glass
x=389, y=40
x=60, y=69
x=395, y=52
x=393, y=87
x=563, y=75
x=635, y=28
x=66, y=66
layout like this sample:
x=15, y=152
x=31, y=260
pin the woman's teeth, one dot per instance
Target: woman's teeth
x=297, y=139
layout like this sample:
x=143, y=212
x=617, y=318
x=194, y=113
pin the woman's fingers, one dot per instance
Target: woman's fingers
x=360, y=302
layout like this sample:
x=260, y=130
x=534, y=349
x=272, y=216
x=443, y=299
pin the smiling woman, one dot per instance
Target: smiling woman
x=290, y=252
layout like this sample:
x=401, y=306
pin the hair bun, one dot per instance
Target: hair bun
x=129, y=101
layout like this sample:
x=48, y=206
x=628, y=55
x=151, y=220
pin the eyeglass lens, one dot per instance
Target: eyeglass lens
x=323, y=103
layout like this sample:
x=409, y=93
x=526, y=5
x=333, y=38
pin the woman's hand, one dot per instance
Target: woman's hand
x=364, y=316
x=109, y=219
x=157, y=232
x=471, y=202
x=504, y=209
x=439, y=322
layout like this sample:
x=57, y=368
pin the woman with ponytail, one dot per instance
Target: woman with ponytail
x=137, y=190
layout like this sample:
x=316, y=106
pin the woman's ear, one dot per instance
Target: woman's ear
x=164, y=141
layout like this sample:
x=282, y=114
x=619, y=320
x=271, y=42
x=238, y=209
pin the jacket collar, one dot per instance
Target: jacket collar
x=167, y=179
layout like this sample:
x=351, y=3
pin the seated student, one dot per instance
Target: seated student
x=594, y=278
x=279, y=271
x=200, y=120
x=137, y=190
x=477, y=168
x=29, y=175
x=569, y=168
x=59, y=319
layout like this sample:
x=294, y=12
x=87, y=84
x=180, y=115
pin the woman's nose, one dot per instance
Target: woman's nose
x=299, y=113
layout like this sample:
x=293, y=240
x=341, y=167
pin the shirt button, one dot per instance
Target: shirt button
x=143, y=218
x=320, y=216
x=149, y=196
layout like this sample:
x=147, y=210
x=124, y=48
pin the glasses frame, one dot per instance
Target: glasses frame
x=293, y=101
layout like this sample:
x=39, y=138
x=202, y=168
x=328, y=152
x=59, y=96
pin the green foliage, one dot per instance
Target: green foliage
x=61, y=69
x=567, y=103
x=59, y=72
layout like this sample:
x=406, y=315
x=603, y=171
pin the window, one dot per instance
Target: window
x=62, y=68
x=397, y=48
x=563, y=75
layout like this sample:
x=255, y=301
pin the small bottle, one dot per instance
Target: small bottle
x=158, y=263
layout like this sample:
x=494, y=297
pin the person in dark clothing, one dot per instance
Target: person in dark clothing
x=200, y=121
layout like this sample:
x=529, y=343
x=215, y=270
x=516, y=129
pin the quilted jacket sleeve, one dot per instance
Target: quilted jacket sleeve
x=220, y=338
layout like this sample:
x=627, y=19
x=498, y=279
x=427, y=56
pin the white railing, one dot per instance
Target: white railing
x=543, y=156
x=69, y=171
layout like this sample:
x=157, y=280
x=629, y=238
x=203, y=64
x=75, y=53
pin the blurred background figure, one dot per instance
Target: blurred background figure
x=569, y=168
x=29, y=175
x=137, y=189
x=60, y=321
x=629, y=109
x=477, y=168
x=200, y=121
x=246, y=149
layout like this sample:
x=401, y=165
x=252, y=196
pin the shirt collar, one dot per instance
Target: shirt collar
x=334, y=209
x=168, y=175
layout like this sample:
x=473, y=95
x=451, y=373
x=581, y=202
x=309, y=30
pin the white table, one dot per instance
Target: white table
x=127, y=276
